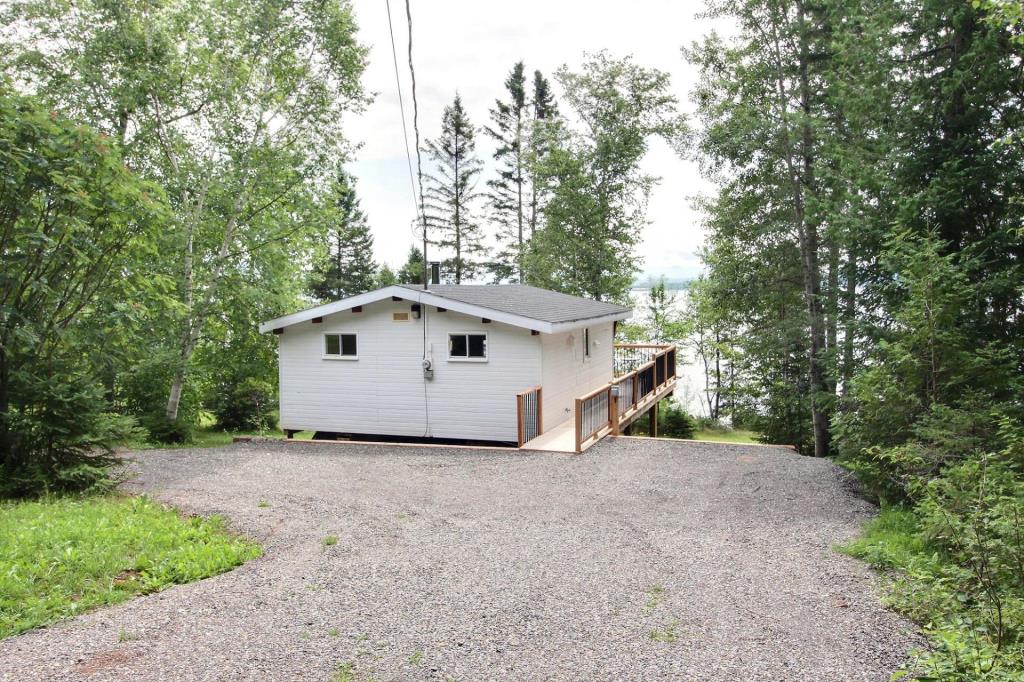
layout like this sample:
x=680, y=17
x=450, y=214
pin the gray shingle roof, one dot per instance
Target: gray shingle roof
x=519, y=299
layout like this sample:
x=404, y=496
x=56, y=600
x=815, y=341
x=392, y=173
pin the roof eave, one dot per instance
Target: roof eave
x=589, y=321
x=426, y=297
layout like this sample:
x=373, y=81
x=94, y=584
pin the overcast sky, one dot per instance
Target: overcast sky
x=470, y=46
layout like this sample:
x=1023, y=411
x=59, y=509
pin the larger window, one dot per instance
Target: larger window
x=340, y=347
x=467, y=346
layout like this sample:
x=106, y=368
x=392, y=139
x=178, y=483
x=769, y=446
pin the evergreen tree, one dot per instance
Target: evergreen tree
x=412, y=271
x=385, y=277
x=451, y=194
x=544, y=116
x=509, y=193
x=347, y=267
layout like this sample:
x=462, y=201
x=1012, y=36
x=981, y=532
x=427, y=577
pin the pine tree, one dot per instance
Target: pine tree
x=451, y=194
x=412, y=271
x=508, y=196
x=347, y=266
x=544, y=116
x=385, y=277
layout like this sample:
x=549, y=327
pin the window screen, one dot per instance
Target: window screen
x=340, y=345
x=467, y=346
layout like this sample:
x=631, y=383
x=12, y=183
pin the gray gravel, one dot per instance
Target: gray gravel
x=484, y=565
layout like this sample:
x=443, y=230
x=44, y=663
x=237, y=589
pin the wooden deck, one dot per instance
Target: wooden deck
x=561, y=438
x=645, y=374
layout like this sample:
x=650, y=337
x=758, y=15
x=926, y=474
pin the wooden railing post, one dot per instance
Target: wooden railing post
x=579, y=425
x=540, y=410
x=520, y=420
x=613, y=408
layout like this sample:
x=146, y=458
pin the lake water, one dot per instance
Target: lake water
x=690, y=374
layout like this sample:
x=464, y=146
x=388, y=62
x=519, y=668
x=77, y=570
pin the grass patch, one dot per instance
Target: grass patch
x=330, y=540
x=740, y=436
x=668, y=635
x=654, y=596
x=63, y=556
x=344, y=672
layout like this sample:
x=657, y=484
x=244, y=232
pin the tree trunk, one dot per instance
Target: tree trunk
x=6, y=448
x=849, y=319
x=809, y=245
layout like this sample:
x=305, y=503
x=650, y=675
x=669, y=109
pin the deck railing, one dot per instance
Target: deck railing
x=529, y=411
x=644, y=373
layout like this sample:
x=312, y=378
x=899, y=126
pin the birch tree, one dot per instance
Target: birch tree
x=236, y=106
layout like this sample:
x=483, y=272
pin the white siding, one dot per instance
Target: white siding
x=383, y=392
x=567, y=374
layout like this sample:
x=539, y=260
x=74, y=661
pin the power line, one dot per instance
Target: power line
x=416, y=132
x=401, y=108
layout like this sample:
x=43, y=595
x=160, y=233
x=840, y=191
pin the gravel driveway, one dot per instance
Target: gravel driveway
x=639, y=560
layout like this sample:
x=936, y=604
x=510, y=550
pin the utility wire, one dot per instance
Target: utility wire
x=416, y=132
x=419, y=186
x=401, y=108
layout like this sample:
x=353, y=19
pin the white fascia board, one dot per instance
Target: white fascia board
x=428, y=298
x=331, y=308
x=589, y=322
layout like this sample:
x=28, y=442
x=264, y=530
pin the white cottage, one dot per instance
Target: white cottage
x=497, y=363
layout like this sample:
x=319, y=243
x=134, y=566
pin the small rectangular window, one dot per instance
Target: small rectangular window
x=399, y=317
x=340, y=346
x=467, y=346
x=586, y=342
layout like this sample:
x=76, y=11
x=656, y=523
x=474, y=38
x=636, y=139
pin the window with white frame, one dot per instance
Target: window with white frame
x=467, y=346
x=339, y=346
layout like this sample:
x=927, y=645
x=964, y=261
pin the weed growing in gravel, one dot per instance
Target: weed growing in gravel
x=125, y=636
x=654, y=597
x=403, y=516
x=60, y=557
x=330, y=540
x=344, y=672
x=416, y=658
x=304, y=636
x=668, y=635
x=263, y=504
x=333, y=632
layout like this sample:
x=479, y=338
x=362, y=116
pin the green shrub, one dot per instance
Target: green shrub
x=142, y=392
x=673, y=422
x=958, y=554
x=246, y=406
x=61, y=434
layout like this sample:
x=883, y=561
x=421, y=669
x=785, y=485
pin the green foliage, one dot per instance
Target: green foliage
x=249, y=405
x=346, y=267
x=60, y=557
x=597, y=193
x=188, y=90
x=141, y=392
x=673, y=422
x=68, y=210
x=956, y=566
x=412, y=271
x=450, y=195
x=509, y=192
x=61, y=435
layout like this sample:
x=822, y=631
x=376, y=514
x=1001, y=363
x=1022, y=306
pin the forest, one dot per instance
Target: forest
x=174, y=172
